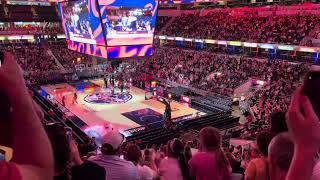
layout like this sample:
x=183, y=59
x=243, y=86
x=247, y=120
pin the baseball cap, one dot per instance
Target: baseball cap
x=113, y=138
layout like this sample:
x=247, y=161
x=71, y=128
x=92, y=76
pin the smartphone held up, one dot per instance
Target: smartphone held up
x=311, y=88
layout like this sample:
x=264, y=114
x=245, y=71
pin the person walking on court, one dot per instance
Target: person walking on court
x=63, y=101
x=75, y=98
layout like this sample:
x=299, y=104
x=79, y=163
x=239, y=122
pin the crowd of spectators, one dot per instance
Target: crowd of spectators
x=176, y=159
x=222, y=25
x=218, y=73
x=161, y=22
x=68, y=58
x=31, y=57
x=221, y=73
x=28, y=29
x=204, y=158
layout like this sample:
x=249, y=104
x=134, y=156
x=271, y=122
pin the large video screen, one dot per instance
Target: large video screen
x=110, y=28
x=128, y=22
x=80, y=23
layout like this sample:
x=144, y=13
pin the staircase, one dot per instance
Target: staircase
x=166, y=26
x=243, y=89
x=60, y=66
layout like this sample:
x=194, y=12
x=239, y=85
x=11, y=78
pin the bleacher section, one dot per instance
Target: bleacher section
x=28, y=13
x=2, y=13
x=20, y=13
x=212, y=103
x=145, y=137
x=221, y=121
x=46, y=13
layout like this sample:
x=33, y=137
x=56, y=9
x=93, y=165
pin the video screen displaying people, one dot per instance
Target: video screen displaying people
x=77, y=20
x=129, y=20
x=129, y=26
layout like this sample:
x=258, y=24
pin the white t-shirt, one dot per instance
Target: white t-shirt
x=145, y=173
x=169, y=169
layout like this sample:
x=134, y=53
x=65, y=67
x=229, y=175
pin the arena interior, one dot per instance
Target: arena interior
x=159, y=90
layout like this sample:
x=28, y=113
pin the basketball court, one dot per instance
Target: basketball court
x=99, y=107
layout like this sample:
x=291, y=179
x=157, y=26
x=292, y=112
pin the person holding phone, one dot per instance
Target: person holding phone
x=22, y=128
x=303, y=125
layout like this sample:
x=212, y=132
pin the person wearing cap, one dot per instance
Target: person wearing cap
x=116, y=168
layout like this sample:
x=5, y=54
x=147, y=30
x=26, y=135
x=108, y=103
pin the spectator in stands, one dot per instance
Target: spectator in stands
x=174, y=166
x=250, y=26
x=258, y=169
x=281, y=151
x=32, y=151
x=149, y=159
x=211, y=162
x=187, y=153
x=134, y=155
x=278, y=123
x=116, y=168
x=234, y=162
x=66, y=154
x=61, y=150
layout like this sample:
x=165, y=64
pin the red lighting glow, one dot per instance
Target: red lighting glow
x=185, y=99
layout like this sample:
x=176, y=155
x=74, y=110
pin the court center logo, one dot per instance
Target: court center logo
x=108, y=98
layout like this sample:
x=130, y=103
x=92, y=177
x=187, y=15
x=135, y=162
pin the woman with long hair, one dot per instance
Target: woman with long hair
x=258, y=168
x=175, y=165
x=149, y=159
x=211, y=162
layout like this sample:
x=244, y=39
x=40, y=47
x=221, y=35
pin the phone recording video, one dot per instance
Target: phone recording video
x=311, y=89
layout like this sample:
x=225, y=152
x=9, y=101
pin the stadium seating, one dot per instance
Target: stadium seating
x=208, y=78
x=46, y=13
x=161, y=21
x=223, y=25
x=20, y=13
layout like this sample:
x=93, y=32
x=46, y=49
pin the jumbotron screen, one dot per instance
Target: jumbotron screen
x=110, y=28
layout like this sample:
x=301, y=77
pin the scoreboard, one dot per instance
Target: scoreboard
x=110, y=28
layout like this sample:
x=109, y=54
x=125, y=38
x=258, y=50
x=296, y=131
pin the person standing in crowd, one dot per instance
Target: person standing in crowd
x=281, y=151
x=258, y=169
x=32, y=151
x=63, y=101
x=175, y=165
x=116, y=168
x=149, y=159
x=210, y=162
x=61, y=150
x=134, y=155
x=105, y=79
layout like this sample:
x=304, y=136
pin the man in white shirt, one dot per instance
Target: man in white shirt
x=116, y=168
